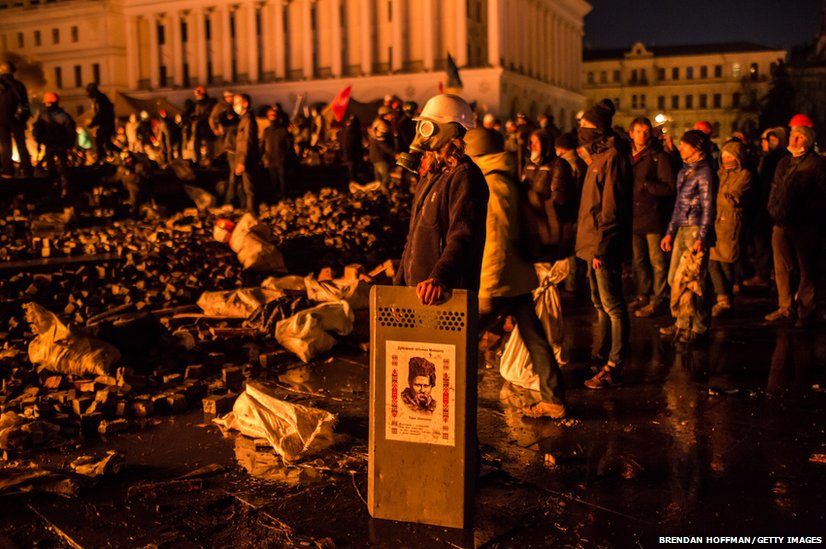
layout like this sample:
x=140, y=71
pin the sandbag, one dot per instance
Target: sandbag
x=306, y=333
x=289, y=282
x=516, y=365
x=354, y=292
x=293, y=430
x=252, y=242
x=59, y=348
x=241, y=303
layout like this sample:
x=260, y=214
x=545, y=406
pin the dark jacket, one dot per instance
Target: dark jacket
x=550, y=209
x=55, y=128
x=246, y=141
x=350, y=138
x=103, y=116
x=276, y=145
x=763, y=183
x=199, y=118
x=604, y=222
x=695, y=200
x=381, y=142
x=223, y=119
x=655, y=186
x=447, y=228
x=797, y=193
x=14, y=102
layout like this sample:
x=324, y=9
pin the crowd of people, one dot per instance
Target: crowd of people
x=695, y=222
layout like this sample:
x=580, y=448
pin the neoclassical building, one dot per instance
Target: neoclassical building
x=720, y=83
x=514, y=55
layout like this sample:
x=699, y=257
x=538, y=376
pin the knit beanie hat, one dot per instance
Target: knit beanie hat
x=566, y=141
x=806, y=131
x=695, y=138
x=601, y=114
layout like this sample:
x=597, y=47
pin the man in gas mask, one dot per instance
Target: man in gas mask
x=447, y=225
x=603, y=237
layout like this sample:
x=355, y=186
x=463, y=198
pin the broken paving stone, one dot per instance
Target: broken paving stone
x=176, y=403
x=233, y=378
x=108, y=427
x=81, y=404
x=53, y=383
x=142, y=408
x=195, y=371
x=91, y=466
x=550, y=461
x=219, y=404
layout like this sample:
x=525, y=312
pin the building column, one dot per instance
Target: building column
x=174, y=19
x=397, y=35
x=267, y=34
x=197, y=21
x=430, y=33
x=226, y=44
x=555, y=46
x=252, y=40
x=154, y=52
x=495, y=23
x=132, y=52
x=546, y=32
x=307, y=39
x=366, y=16
x=461, y=33
x=336, y=38
x=278, y=36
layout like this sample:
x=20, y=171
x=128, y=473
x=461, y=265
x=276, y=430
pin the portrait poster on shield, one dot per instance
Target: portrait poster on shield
x=421, y=393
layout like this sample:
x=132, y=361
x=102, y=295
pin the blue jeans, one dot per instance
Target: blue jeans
x=611, y=335
x=649, y=260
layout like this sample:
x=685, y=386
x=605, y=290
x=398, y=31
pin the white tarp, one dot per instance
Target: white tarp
x=294, y=431
x=252, y=242
x=239, y=303
x=353, y=291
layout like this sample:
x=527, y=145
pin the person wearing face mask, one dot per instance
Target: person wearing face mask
x=735, y=184
x=603, y=238
x=246, y=153
x=446, y=236
x=796, y=203
x=691, y=228
x=551, y=202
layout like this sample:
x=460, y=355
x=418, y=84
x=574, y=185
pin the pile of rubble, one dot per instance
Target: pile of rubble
x=167, y=319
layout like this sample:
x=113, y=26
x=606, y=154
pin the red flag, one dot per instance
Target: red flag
x=339, y=104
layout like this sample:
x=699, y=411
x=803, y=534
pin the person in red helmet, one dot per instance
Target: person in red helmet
x=713, y=150
x=796, y=204
x=55, y=131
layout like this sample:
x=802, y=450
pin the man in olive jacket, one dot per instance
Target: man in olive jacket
x=246, y=152
x=603, y=237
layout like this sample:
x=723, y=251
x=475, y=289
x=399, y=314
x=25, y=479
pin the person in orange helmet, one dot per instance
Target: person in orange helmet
x=55, y=131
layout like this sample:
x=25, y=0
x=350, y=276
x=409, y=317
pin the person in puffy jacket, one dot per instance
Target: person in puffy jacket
x=551, y=202
x=692, y=228
x=796, y=203
x=735, y=185
x=507, y=279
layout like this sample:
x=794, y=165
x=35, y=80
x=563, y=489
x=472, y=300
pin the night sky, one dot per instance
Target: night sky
x=619, y=23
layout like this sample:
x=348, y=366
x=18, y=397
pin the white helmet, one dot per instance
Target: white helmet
x=447, y=107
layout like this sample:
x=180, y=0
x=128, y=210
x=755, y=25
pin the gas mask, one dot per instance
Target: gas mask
x=430, y=136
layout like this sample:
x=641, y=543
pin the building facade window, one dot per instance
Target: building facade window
x=617, y=76
x=661, y=74
x=754, y=71
x=78, y=76
x=735, y=99
x=704, y=72
x=689, y=73
x=55, y=36
x=718, y=71
x=20, y=41
x=717, y=101
x=703, y=101
x=185, y=32
x=58, y=78
x=603, y=77
x=634, y=101
x=689, y=101
x=675, y=102
x=96, y=73
x=75, y=34
x=590, y=78
x=162, y=78
x=37, y=40
x=643, y=76
x=161, y=34
x=675, y=73
x=661, y=102
x=642, y=101
x=633, y=76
